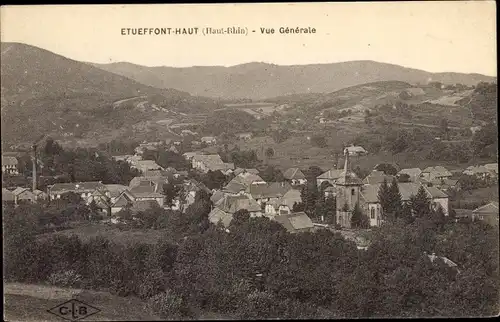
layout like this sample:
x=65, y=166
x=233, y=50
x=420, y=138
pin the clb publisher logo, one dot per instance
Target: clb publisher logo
x=73, y=310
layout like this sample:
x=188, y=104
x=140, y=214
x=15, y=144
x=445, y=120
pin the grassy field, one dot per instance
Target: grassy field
x=88, y=231
x=28, y=302
x=298, y=152
x=477, y=195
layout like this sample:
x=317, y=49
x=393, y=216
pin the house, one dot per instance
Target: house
x=225, y=168
x=295, y=222
x=188, y=132
x=295, y=176
x=122, y=157
x=84, y=189
x=153, y=173
x=40, y=195
x=487, y=213
x=205, y=162
x=113, y=191
x=445, y=260
x=123, y=200
x=268, y=192
x=173, y=149
x=329, y=176
x=437, y=172
x=146, y=192
x=191, y=189
x=10, y=165
x=356, y=150
x=284, y=204
x=155, y=181
x=23, y=195
x=244, y=136
x=247, y=179
x=413, y=173
x=237, y=171
x=146, y=165
x=478, y=171
x=225, y=208
x=377, y=177
x=493, y=168
x=370, y=203
x=7, y=196
x=474, y=129
x=210, y=140
x=189, y=155
x=445, y=184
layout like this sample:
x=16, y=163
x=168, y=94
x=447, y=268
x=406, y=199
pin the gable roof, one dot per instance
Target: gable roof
x=476, y=170
x=218, y=214
x=438, y=171
x=269, y=190
x=155, y=180
x=232, y=204
x=145, y=192
x=331, y=174
x=247, y=178
x=369, y=192
x=207, y=158
x=7, y=195
x=9, y=161
x=372, y=179
x=353, y=149
x=115, y=189
x=147, y=164
x=78, y=187
x=123, y=200
x=412, y=172
x=216, y=196
x=295, y=222
x=294, y=173
x=489, y=209
x=493, y=167
x=18, y=191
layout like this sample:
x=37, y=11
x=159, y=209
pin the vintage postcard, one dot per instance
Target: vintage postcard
x=250, y=161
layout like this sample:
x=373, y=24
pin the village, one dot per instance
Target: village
x=246, y=190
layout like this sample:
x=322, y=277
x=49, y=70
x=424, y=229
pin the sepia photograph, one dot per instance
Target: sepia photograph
x=254, y=161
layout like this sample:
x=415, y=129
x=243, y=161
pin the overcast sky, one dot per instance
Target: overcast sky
x=433, y=36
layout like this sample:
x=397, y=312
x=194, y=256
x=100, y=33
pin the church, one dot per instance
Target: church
x=349, y=189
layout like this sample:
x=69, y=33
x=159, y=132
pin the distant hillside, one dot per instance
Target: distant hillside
x=261, y=80
x=45, y=93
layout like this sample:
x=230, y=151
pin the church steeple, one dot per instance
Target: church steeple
x=347, y=164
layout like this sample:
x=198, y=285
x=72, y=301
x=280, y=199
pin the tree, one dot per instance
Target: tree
x=240, y=217
x=269, y=152
x=396, y=204
x=319, y=141
x=384, y=197
x=420, y=203
x=443, y=126
x=171, y=191
x=358, y=219
x=387, y=168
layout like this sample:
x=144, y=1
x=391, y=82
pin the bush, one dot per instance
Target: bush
x=167, y=305
x=67, y=278
x=152, y=283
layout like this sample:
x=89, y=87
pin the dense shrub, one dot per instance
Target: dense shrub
x=167, y=305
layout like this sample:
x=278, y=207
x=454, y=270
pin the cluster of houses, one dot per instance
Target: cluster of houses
x=247, y=190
